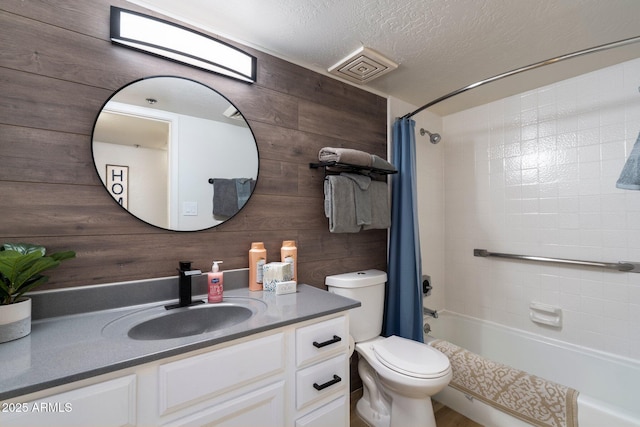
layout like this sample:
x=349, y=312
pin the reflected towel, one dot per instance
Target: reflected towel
x=530, y=398
x=630, y=175
x=345, y=155
x=225, y=197
x=244, y=188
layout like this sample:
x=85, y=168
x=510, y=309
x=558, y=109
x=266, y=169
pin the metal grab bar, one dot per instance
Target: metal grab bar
x=626, y=266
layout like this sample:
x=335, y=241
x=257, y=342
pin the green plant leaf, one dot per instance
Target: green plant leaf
x=25, y=248
x=21, y=265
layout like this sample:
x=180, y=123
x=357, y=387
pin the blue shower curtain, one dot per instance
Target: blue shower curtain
x=403, y=302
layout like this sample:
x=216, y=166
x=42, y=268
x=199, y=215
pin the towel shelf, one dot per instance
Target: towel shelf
x=347, y=167
x=626, y=266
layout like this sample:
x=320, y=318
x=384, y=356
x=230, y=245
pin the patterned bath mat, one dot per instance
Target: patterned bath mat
x=527, y=397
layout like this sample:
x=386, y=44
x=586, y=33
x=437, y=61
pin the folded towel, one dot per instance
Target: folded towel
x=362, y=197
x=340, y=206
x=630, y=175
x=380, y=211
x=345, y=155
x=225, y=197
x=380, y=163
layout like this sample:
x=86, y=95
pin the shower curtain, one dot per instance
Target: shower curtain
x=403, y=299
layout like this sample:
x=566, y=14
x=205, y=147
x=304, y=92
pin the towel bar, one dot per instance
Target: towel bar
x=347, y=167
x=626, y=266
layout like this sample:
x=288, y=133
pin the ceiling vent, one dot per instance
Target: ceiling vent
x=362, y=66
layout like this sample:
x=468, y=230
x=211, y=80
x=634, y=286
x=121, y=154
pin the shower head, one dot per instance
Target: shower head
x=433, y=137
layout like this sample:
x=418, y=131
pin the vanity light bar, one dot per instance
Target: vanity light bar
x=181, y=44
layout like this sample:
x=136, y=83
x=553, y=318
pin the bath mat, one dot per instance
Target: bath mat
x=527, y=397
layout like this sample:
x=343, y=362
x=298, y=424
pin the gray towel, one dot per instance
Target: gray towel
x=380, y=212
x=340, y=205
x=630, y=175
x=380, y=163
x=244, y=188
x=362, y=197
x=225, y=197
x=345, y=155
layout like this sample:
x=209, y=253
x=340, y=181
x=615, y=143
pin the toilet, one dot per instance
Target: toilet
x=399, y=375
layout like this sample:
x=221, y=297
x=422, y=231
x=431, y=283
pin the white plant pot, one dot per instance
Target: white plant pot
x=15, y=320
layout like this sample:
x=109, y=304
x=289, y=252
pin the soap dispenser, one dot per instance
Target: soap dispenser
x=215, y=281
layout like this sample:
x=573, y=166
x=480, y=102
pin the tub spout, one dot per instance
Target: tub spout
x=429, y=312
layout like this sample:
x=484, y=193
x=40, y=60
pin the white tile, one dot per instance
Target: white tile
x=543, y=166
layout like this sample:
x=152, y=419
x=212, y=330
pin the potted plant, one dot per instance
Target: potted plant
x=21, y=268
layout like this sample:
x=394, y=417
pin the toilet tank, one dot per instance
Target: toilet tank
x=365, y=322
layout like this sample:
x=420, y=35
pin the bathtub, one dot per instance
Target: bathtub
x=609, y=385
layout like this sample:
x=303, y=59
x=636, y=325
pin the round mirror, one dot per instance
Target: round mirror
x=175, y=153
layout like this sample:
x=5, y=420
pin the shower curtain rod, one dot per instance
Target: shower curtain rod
x=522, y=69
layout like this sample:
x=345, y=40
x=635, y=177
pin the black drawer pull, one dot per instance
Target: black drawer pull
x=336, y=379
x=334, y=340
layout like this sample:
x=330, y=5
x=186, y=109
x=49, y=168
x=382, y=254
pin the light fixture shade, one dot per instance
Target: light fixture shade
x=181, y=44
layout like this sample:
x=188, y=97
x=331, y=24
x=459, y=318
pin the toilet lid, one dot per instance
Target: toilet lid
x=411, y=358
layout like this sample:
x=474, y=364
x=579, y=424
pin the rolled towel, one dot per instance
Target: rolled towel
x=345, y=155
x=380, y=163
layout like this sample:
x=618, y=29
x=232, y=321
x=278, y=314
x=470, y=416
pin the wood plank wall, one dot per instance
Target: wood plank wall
x=58, y=67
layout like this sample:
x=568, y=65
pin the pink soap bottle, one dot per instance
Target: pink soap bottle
x=215, y=281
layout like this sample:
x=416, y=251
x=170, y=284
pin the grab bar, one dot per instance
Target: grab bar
x=626, y=266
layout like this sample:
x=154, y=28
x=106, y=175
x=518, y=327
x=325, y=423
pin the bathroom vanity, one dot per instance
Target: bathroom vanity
x=286, y=366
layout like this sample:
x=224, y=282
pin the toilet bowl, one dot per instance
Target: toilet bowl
x=404, y=375
x=399, y=375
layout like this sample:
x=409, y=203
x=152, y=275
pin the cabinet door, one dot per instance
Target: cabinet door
x=110, y=403
x=260, y=408
x=193, y=379
x=333, y=414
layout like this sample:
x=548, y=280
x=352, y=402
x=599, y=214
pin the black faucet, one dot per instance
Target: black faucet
x=184, y=286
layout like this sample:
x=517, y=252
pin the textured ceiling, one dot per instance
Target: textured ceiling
x=441, y=45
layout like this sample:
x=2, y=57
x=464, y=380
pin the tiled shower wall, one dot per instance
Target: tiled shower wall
x=535, y=174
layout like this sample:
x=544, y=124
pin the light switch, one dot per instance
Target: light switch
x=190, y=208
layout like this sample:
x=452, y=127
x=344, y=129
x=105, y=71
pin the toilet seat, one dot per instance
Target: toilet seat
x=411, y=358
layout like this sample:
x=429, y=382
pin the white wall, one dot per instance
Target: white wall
x=213, y=150
x=535, y=174
x=147, y=178
x=430, y=189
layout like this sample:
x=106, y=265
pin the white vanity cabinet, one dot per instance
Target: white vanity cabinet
x=106, y=403
x=322, y=373
x=274, y=378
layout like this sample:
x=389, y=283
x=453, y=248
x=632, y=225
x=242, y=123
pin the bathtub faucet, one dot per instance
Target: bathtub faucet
x=429, y=312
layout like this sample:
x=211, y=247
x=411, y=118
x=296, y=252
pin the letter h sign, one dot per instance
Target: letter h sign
x=118, y=183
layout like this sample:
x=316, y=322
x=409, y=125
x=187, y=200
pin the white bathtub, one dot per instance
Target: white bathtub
x=609, y=386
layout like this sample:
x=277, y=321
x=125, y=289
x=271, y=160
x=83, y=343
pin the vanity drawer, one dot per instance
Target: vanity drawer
x=315, y=341
x=188, y=380
x=319, y=380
